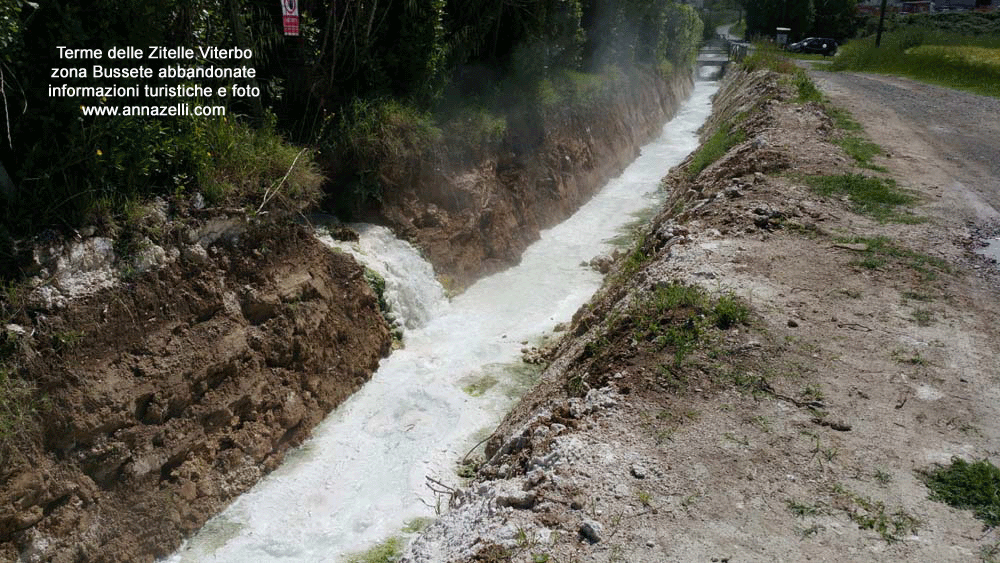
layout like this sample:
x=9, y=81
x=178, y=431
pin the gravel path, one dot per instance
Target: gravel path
x=959, y=129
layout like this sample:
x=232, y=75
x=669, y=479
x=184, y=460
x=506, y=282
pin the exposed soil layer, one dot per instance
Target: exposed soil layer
x=168, y=395
x=871, y=354
x=474, y=214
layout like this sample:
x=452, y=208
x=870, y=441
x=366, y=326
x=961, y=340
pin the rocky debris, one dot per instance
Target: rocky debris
x=72, y=269
x=534, y=355
x=602, y=264
x=638, y=471
x=591, y=530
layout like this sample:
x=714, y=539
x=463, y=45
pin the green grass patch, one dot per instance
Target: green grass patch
x=974, y=486
x=948, y=59
x=766, y=55
x=861, y=150
x=986, y=24
x=878, y=198
x=842, y=119
x=475, y=126
x=852, y=140
x=802, y=509
x=730, y=311
x=870, y=514
x=922, y=317
x=725, y=138
x=376, y=134
x=879, y=250
x=636, y=258
x=248, y=164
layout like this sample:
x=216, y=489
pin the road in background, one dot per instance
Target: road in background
x=950, y=137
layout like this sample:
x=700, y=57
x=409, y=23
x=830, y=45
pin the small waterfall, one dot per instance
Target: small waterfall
x=412, y=292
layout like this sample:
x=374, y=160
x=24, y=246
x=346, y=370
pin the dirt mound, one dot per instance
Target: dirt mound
x=165, y=397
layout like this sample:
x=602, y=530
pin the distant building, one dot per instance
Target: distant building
x=872, y=7
x=920, y=6
x=917, y=7
x=941, y=5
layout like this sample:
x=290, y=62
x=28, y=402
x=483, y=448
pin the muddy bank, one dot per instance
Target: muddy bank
x=167, y=395
x=474, y=214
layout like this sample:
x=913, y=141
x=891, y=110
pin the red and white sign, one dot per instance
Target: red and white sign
x=290, y=16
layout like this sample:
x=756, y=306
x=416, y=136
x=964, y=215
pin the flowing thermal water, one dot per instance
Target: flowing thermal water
x=363, y=473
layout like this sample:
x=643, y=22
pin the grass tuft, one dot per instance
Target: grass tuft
x=876, y=197
x=974, y=486
x=806, y=88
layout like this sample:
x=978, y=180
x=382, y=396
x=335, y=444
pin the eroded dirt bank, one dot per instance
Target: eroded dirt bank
x=473, y=214
x=669, y=427
x=170, y=394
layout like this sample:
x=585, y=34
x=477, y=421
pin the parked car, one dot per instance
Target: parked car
x=815, y=45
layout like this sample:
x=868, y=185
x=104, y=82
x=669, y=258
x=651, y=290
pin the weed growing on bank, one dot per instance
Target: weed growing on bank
x=869, y=514
x=249, y=165
x=725, y=138
x=974, y=486
x=18, y=409
x=807, y=91
x=878, y=198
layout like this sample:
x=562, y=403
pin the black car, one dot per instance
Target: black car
x=815, y=45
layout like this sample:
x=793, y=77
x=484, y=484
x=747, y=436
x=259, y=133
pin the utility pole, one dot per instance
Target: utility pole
x=881, y=22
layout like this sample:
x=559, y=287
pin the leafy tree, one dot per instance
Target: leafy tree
x=835, y=18
x=763, y=16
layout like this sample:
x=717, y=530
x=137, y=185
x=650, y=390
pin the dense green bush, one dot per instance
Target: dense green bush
x=360, y=85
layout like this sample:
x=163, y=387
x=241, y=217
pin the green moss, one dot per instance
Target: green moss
x=480, y=386
x=417, y=525
x=385, y=552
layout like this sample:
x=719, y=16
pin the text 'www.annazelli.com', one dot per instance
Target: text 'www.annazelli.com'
x=155, y=111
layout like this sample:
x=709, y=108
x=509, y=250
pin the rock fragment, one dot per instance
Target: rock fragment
x=591, y=531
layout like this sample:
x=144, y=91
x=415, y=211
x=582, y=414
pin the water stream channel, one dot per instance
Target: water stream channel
x=362, y=475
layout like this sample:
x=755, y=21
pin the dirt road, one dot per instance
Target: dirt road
x=950, y=135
